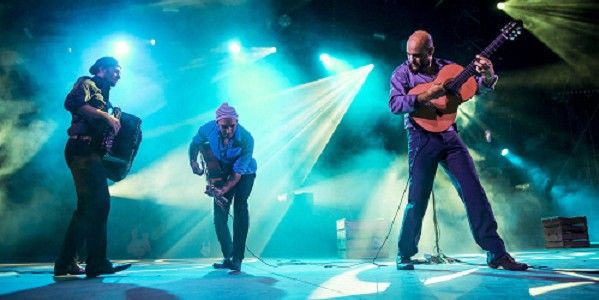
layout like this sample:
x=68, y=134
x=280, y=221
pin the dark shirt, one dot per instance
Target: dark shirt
x=87, y=90
x=404, y=79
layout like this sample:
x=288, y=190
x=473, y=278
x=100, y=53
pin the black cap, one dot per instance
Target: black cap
x=106, y=62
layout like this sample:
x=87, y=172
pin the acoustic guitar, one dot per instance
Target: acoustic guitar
x=440, y=113
x=215, y=175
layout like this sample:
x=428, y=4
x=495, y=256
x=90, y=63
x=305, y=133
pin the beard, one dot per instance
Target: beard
x=420, y=67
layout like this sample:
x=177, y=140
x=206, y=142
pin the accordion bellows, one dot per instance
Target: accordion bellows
x=119, y=158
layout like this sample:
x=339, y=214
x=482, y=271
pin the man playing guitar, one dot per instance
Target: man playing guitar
x=232, y=146
x=429, y=107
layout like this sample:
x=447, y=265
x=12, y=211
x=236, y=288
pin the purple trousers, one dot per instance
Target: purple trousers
x=426, y=151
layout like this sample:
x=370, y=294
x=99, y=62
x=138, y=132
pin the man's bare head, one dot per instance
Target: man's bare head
x=420, y=50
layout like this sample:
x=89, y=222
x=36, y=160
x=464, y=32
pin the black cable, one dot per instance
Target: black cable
x=435, y=259
x=437, y=249
x=439, y=257
x=259, y=258
x=324, y=264
x=248, y=248
x=410, y=169
x=291, y=277
x=309, y=283
x=390, y=226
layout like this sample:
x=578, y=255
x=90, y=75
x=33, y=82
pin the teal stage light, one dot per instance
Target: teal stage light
x=121, y=48
x=234, y=47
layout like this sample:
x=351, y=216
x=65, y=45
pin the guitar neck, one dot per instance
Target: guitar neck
x=470, y=69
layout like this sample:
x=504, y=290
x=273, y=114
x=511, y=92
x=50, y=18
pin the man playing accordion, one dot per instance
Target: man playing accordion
x=88, y=103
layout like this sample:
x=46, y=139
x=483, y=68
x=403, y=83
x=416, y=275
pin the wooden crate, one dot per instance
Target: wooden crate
x=561, y=232
x=361, y=239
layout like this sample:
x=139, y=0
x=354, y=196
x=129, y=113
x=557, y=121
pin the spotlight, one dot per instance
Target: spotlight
x=234, y=47
x=488, y=136
x=505, y=151
x=501, y=5
x=334, y=64
x=121, y=48
x=284, y=21
x=152, y=42
x=283, y=197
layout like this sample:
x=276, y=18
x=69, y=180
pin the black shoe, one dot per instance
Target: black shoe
x=506, y=262
x=109, y=268
x=404, y=263
x=226, y=264
x=235, y=265
x=69, y=269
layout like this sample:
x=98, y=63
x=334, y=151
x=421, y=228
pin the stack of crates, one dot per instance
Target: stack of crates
x=361, y=239
x=561, y=232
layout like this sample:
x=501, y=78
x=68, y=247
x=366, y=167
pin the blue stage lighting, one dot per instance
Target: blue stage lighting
x=121, y=48
x=234, y=47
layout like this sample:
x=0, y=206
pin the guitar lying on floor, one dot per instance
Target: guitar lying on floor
x=440, y=113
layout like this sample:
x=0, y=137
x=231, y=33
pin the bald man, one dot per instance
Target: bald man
x=426, y=150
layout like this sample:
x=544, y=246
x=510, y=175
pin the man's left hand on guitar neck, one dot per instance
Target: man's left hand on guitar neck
x=484, y=66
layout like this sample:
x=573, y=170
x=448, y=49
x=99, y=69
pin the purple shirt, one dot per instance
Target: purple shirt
x=403, y=80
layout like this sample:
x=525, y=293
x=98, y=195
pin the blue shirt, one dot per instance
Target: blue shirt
x=404, y=79
x=237, y=154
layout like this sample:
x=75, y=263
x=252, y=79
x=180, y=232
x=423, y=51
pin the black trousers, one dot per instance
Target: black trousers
x=239, y=195
x=89, y=221
x=426, y=151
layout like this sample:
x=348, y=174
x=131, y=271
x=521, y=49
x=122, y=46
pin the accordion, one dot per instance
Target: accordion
x=120, y=149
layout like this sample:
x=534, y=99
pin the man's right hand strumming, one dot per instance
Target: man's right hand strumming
x=195, y=168
x=435, y=91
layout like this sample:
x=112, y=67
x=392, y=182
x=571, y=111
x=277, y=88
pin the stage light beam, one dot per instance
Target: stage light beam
x=568, y=28
x=334, y=64
x=293, y=127
x=241, y=59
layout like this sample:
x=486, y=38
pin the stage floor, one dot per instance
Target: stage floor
x=558, y=274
